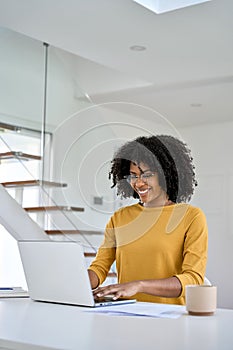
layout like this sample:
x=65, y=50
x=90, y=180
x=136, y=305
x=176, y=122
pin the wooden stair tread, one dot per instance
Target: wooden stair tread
x=89, y=255
x=28, y=183
x=19, y=155
x=53, y=208
x=67, y=232
x=112, y=274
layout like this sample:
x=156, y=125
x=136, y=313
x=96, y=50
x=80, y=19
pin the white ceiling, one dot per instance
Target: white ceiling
x=188, y=60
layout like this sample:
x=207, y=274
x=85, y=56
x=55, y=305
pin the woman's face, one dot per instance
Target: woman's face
x=146, y=183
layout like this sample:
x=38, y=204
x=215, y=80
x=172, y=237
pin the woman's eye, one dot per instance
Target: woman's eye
x=146, y=176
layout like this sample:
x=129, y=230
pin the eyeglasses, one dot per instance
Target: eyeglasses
x=145, y=177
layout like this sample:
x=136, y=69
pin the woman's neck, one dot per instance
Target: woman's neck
x=162, y=201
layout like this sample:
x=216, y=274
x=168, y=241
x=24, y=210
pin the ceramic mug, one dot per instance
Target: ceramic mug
x=201, y=300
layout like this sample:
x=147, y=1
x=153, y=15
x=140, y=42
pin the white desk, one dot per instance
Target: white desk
x=25, y=324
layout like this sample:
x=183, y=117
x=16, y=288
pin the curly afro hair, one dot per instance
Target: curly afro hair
x=165, y=154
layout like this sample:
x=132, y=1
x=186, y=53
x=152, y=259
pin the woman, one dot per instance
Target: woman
x=160, y=243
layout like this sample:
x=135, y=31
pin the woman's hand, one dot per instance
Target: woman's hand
x=167, y=287
x=118, y=290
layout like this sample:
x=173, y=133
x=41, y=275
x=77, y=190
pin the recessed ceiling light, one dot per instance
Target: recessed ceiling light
x=196, y=104
x=137, y=48
x=161, y=6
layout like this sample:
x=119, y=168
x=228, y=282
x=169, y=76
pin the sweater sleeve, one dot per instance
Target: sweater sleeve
x=106, y=254
x=195, y=250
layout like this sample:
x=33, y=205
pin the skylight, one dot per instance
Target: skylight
x=161, y=6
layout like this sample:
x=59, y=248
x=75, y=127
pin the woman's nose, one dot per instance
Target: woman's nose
x=140, y=181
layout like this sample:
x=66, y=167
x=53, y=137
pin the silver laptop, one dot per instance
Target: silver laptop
x=16, y=221
x=56, y=272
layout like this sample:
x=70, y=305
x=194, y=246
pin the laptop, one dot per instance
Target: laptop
x=16, y=221
x=56, y=272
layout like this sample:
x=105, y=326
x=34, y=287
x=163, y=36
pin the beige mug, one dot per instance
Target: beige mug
x=201, y=300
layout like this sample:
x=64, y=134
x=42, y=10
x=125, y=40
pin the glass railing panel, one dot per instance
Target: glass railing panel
x=82, y=142
x=22, y=80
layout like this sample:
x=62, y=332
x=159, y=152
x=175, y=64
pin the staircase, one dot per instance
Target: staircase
x=40, y=211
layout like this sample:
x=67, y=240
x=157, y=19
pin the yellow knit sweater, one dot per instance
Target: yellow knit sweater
x=154, y=243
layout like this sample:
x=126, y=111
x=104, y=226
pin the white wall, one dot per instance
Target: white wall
x=212, y=149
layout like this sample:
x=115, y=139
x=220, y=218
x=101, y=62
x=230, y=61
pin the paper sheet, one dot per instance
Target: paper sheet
x=142, y=309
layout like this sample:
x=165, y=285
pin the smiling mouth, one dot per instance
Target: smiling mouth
x=143, y=192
